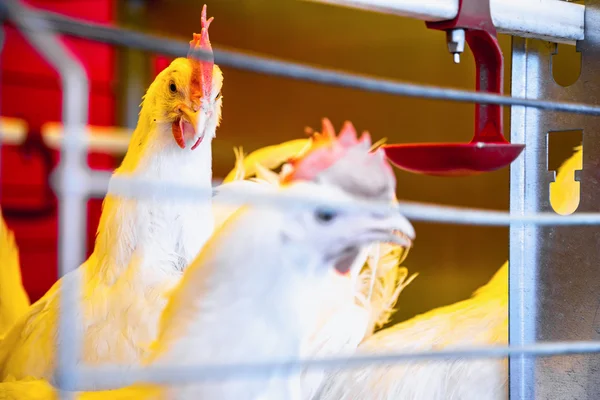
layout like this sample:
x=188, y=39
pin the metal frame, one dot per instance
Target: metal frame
x=554, y=20
x=554, y=277
x=73, y=172
x=531, y=237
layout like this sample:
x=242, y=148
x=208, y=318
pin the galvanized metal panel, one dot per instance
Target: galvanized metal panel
x=554, y=271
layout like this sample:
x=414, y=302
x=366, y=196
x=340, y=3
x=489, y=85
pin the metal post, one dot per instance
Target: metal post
x=72, y=187
x=554, y=273
x=133, y=64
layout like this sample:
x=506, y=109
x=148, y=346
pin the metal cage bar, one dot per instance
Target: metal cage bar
x=73, y=171
x=75, y=181
x=553, y=20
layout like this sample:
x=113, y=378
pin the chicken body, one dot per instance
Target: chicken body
x=480, y=320
x=280, y=264
x=14, y=301
x=142, y=245
x=358, y=302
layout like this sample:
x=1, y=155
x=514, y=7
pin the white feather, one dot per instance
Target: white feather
x=483, y=319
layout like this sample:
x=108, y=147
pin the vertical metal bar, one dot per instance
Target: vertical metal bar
x=554, y=275
x=72, y=181
x=2, y=42
x=521, y=278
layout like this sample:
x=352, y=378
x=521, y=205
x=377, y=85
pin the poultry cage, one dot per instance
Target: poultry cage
x=554, y=322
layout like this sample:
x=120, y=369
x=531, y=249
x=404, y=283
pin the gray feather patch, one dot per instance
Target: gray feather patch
x=362, y=174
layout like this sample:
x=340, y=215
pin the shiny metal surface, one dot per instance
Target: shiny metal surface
x=554, y=273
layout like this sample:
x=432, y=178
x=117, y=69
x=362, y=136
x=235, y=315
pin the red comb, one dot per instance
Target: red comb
x=202, y=70
x=327, y=149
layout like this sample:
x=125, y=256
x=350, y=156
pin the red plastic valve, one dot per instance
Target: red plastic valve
x=488, y=150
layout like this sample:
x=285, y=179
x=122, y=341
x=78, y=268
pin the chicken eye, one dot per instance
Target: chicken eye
x=218, y=96
x=325, y=216
x=173, y=87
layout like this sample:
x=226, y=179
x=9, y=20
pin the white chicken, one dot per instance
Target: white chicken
x=480, y=320
x=121, y=300
x=280, y=264
x=288, y=275
x=362, y=301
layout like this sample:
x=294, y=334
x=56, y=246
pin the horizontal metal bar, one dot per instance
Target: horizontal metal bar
x=105, y=139
x=473, y=216
x=114, y=377
x=269, y=66
x=98, y=184
x=112, y=140
x=552, y=20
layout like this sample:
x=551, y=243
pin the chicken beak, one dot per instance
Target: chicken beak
x=403, y=232
x=392, y=228
x=187, y=124
x=191, y=116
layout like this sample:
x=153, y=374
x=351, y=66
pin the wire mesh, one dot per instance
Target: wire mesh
x=74, y=182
